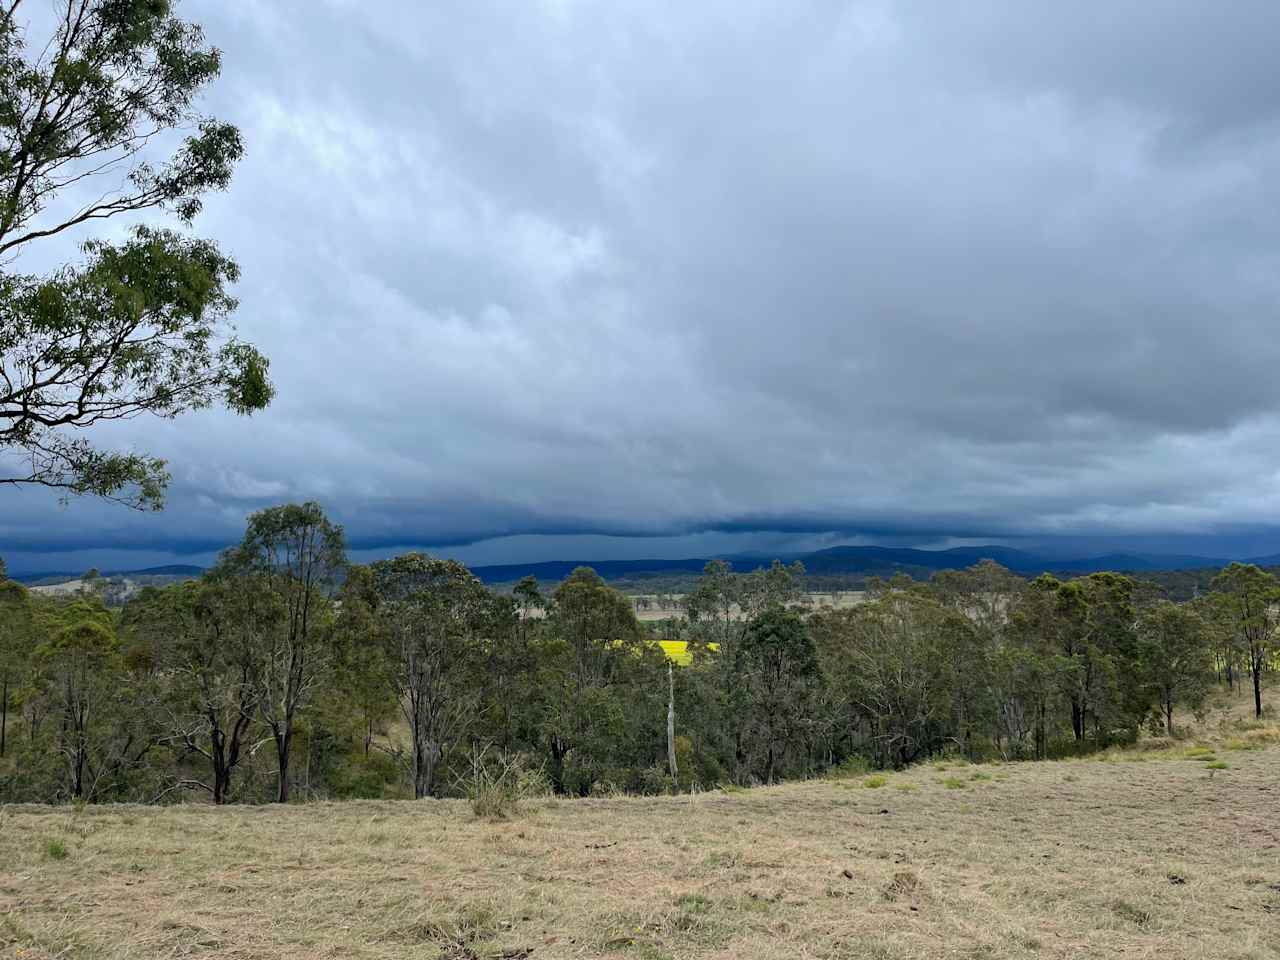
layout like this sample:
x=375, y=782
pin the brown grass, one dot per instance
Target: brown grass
x=1139, y=854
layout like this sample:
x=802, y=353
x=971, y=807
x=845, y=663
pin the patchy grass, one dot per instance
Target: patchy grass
x=875, y=781
x=1118, y=859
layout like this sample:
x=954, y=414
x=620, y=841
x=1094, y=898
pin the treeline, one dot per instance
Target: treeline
x=286, y=672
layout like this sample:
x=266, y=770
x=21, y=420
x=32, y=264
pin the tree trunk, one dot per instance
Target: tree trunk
x=433, y=755
x=671, y=727
x=217, y=749
x=77, y=776
x=558, y=752
x=739, y=755
x=1168, y=713
x=1257, y=686
x=1077, y=719
x=425, y=754
x=4, y=713
x=284, y=740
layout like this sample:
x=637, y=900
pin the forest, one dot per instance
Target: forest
x=287, y=673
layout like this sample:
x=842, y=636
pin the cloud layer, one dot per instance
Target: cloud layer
x=884, y=268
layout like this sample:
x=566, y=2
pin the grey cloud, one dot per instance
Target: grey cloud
x=903, y=269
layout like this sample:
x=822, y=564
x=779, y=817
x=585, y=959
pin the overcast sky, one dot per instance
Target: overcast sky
x=711, y=276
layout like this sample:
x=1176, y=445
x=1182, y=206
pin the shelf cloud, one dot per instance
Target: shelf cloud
x=734, y=270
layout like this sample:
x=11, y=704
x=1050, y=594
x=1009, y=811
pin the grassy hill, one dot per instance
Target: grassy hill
x=1171, y=850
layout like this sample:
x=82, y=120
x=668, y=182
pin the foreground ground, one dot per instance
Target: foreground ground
x=1165, y=856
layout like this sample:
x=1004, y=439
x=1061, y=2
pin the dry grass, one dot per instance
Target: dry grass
x=1090, y=858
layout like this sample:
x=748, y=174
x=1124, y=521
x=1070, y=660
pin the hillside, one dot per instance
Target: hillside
x=1127, y=854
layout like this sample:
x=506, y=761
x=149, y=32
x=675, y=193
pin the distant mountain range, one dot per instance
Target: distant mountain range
x=866, y=561
x=870, y=561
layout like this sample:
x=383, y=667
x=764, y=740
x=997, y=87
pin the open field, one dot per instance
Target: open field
x=653, y=606
x=1141, y=854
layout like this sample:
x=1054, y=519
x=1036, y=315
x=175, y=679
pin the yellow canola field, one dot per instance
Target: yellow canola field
x=677, y=651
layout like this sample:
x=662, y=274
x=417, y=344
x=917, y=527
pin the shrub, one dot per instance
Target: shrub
x=360, y=777
x=55, y=849
x=606, y=788
x=850, y=768
x=650, y=782
x=499, y=782
x=494, y=799
x=953, y=783
x=875, y=781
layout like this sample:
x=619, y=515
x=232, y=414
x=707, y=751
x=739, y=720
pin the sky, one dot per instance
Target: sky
x=561, y=279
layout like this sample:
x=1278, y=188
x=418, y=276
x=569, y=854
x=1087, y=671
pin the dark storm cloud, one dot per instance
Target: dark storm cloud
x=891, y=269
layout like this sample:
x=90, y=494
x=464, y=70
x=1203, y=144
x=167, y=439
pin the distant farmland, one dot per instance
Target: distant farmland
x=659, y=606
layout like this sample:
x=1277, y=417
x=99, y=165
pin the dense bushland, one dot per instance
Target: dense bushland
x=286, y=672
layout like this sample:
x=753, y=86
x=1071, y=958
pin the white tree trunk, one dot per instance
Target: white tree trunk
x=671, y=724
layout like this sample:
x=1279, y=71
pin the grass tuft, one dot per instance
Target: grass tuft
x=1127, y=911
x=904, y=884
x=55, y=849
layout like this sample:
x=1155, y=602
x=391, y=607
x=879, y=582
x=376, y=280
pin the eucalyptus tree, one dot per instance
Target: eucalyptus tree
x=79, y=666
x=1032, y=666
x=297, y=554
x=1251, y=601
x=776, y=681
x=359, y=688
x=204, y=637
x=984, y=592
x=1177, y=656
x=720, y=610
x=597, y=683
x=428, y=616
x=893, y=662
x=1093, y=630
x=17, y=638
x=88, y=91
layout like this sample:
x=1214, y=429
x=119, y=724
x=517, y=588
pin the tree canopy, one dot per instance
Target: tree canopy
x=139, y=326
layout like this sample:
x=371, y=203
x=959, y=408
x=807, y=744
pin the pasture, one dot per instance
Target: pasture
x=1168, y=852
x=668, y=606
